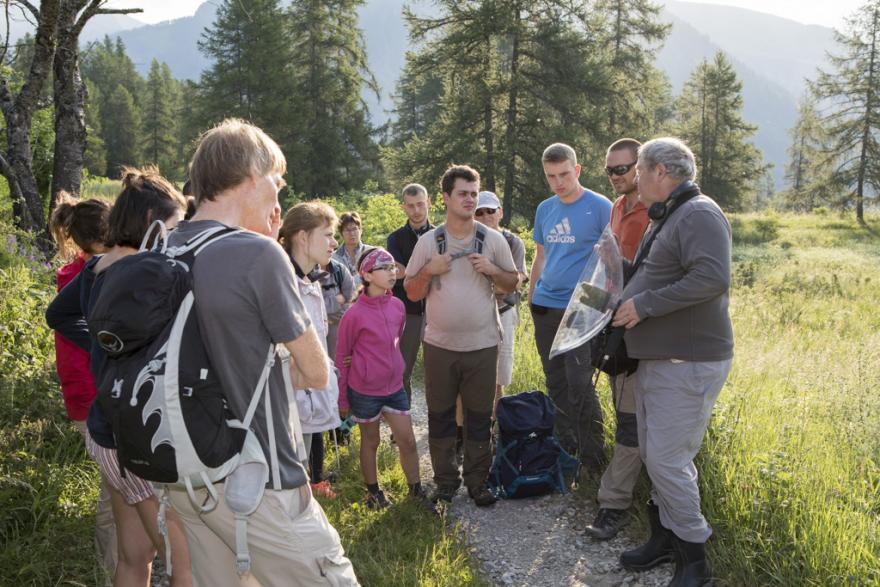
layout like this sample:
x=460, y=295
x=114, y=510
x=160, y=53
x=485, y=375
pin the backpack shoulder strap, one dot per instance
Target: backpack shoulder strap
x=440, y=239
x=337, y=273
x=479, y=238
x=508, y=236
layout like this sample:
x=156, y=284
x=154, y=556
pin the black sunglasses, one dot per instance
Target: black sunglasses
x=620, y=169
x=486, y=211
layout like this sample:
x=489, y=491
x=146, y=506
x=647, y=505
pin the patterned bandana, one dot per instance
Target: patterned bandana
x=376, y=257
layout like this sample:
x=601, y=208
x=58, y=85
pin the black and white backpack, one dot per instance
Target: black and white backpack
x=158, y=388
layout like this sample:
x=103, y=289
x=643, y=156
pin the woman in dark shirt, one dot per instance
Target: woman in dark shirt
x=145, y=196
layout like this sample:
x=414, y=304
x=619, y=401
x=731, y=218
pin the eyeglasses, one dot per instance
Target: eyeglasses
x=619, y=169
x=486, y=211
x=352, y=229
x=392, y=268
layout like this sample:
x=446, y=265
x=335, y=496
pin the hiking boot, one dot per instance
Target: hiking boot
x=692, y=568
x=608, y=523
x=482, y=496
x=377, y=501
x=420, y=497
x=656, y=551
x=444, y=493
x=323, y=489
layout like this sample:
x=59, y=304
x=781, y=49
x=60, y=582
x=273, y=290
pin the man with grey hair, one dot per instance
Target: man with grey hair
x=678, y=325
x=400, y=244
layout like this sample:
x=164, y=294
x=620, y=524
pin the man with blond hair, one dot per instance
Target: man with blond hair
x=247, y=301
x=567, y=225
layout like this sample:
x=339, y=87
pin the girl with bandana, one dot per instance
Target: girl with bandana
x=371, y=374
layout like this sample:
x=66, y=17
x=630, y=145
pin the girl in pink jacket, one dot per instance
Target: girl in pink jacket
x=371, y=374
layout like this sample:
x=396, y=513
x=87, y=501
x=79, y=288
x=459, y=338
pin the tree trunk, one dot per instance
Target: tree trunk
x=488, y=122
x=869, y=115
x=69, y=95
x=18, y=111
x=510, y=137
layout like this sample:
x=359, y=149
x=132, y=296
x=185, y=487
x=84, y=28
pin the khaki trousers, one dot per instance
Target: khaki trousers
x=289, y=539
x=620, y=477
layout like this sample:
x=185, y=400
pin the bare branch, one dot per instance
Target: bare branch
x=120, y=11
x=30, y=7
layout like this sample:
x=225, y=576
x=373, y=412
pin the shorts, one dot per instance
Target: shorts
x=368, y=408
x=133, y=489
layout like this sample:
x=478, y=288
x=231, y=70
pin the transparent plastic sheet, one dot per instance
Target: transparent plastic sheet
x=595, y=297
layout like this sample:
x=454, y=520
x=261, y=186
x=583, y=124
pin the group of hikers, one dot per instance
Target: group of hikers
x=344, y=326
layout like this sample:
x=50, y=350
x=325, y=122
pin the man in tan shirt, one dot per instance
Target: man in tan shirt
x=462, y=332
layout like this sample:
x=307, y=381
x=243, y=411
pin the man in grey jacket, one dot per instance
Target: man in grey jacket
x=675, y=310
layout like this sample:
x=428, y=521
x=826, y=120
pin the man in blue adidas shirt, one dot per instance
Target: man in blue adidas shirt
x=567, y=225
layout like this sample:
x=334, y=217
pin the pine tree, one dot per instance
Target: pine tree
x=516, y=76
x=158, y=140
x=122, y=115
x=249, y=78
x=709, y=119
x=331, y=141
x=95, y=158
x=852, y=91
x=107, y=67
x=809, y=171
x=630, y=33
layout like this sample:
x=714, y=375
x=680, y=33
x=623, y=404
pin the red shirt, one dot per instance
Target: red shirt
x=629, y=227
x=71, y=362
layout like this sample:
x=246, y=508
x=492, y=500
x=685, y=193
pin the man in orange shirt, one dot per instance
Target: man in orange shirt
x=629, y=219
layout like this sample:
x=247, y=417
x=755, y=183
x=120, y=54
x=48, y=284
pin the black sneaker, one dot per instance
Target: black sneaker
x=444, y=493
x=608, y=523
x=482, y=496
x=377, y=501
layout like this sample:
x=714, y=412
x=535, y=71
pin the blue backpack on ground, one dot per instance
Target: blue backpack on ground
x=529, y=460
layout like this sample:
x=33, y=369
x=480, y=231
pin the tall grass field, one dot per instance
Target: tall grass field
x=789, y=470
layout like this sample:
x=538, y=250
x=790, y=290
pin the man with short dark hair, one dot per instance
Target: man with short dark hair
x=248, y=304
x=457, y=268
x=400, y=244
x=629, y=218
x=567, y=225
x=676, y=313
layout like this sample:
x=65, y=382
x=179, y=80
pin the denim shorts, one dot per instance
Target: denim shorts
x=368, y=408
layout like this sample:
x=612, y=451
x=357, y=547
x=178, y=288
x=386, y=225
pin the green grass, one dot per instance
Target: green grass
x=789, y=471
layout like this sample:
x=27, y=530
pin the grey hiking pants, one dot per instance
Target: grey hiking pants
x=674, y=400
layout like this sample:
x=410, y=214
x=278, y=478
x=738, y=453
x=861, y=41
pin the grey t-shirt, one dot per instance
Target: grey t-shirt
x=681, y=290
x=246, y=300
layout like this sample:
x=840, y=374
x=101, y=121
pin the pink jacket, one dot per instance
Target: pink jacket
x=370, y=333
x=71, y=362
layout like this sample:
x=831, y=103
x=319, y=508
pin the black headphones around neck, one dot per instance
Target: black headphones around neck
x=659, y=210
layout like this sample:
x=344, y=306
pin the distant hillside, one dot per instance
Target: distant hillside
x=772, y=55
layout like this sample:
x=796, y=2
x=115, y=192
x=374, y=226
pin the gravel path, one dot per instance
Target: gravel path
x=537, y=541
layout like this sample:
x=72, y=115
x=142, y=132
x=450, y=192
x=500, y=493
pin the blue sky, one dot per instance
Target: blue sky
x=824, y=12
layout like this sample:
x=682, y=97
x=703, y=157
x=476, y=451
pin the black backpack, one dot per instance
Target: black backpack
x=529, y=460
x=159, y=390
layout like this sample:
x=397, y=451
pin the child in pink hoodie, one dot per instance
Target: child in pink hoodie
x=371, y=374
